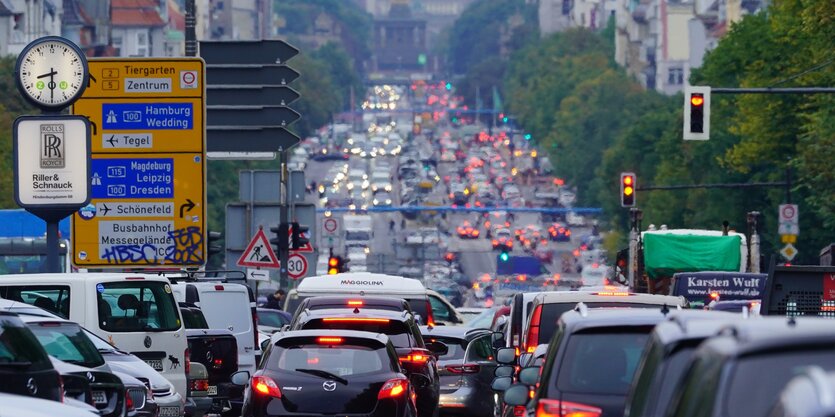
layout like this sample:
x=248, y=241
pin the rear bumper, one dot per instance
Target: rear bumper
x=466, y=401
x=198, y=406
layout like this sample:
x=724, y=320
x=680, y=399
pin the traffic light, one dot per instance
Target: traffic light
x=627, y=189
x=333, y=265
x=528, y=136
x=504, y=256
x=298, y=239
x=282, y=237
x=696, y=113
x=448, y=86
x=213, y=246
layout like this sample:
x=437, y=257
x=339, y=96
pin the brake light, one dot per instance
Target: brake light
x=134, y=278
x=467, y=368
x=217, y=363
x=200, y=385
x=519, y=411
x=325, y=340
x=354, y=320
x=612, y=294
x=128, y=401
x=265, y=385
x=393, y=388
x=418, y=358
x=186, y=356
x=355, y=303
x=556, y=408
x=533, y=333
x=313, y=361
x=430, y=319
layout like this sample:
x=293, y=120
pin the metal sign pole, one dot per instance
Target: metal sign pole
x=283, y=254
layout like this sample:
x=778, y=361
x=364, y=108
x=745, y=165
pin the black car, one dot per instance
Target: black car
x=217, y=350
x=466, y=370
x=671, y=346
x=418, y=361
x=350, y=302
x=590, y=362
x=332, y=373
x=742, y=371
x=25, y=368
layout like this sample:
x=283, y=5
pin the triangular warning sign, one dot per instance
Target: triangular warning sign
x=259, y=253
x=307, y=247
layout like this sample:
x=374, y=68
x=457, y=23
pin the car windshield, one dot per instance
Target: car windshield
x=457, y=347
x=601, y=363
x=756, y=381
x=552, y=312
x=271, y=318
x=98, y=342
x=68, y=343
x=20, y=349
x=137, y=306
x=342, y=360
x=397, y=331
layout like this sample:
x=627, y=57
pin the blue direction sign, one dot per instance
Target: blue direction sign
x=158, y=116
x=133, y=178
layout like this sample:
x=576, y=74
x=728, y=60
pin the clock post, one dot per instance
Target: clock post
x=52, y=149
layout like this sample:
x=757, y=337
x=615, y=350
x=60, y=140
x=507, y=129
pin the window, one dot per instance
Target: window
x=18, y=346
x=193, y=318
x=117, y=44
x=68, y=343
x=52, y=298
x=456, y=347
x=142, y=43
x=479, y=350
x=137, y=306
x=398, y=332
x=566, y=7
x=675, y=76
x=341, y=360
x=440, y=311
x=601, y=363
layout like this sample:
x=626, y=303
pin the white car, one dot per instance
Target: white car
x=18, y=405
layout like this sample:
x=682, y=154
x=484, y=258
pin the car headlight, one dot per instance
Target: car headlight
x=388, y=188
x=388, y=201
x=376, y=202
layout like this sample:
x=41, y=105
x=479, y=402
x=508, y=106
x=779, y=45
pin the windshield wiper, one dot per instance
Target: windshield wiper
x=18, y=364
x=324, y=374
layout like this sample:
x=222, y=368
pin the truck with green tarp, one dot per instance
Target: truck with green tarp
x=663, y=253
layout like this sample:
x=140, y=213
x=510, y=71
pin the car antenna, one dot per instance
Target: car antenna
x=665, y=309
x=356, y=310
x=792, y=322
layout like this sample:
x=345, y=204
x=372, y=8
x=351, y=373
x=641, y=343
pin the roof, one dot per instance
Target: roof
x=322, y=302
x=356, y=282
x=555, y=297
x=346, y=313
x=20, y=308
x=692, y=325
x=50, y=279
x=176, y=16
x=141, y=13
x=762, y=334
x=611, y=317
x=331, y=333
x=459, y=332
x=74, y=14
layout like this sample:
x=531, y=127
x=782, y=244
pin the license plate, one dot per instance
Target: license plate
x=169, y=411
x=155, y=363
x=99, y=397
x=212, y=390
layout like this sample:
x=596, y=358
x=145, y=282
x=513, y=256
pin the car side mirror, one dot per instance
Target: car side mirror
x=516, y=395
x=240, y=378
x=529, y=376
x=418, y=319
x=497, y=340
x=265, y=344
x=437, y=348
x=525, y=359
x=503, y=371
x=502, y=383
x=506, y=356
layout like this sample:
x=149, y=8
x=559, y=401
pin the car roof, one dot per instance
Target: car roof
x=341, y=301
x=369, y=283
x=692, y=324
x=17, y=307
x=51, y=278
x=610, y=317
x=29, y=318
x=459, y=332
x=762, y=334
x=555, y=297
x=382, y=338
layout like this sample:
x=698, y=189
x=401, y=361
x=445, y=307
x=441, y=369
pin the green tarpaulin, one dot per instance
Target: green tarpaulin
x=666, y=254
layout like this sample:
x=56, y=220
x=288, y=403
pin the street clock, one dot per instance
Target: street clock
x=51, y=73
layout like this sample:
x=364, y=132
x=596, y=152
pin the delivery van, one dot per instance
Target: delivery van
x=423, y=302
x=135, y=313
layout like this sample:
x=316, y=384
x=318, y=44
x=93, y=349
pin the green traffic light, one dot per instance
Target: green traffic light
x=448, y=86
x=504, y=256
x=528, y=136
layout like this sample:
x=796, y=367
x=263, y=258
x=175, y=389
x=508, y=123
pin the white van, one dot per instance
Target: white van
x=432, y=307
x=133, y=312
x=226, y=306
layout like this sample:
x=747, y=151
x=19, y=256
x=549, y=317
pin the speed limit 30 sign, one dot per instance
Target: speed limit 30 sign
x=296, y=266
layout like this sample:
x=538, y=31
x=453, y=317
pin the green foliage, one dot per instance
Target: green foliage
x=299, y=17
x=12, y=105
x=341, y=72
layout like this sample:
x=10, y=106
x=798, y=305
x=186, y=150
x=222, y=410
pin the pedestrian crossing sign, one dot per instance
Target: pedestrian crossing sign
x=259, y=253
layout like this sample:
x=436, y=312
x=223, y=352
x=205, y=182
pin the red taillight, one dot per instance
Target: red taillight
x=217, y=363
x=519, y=411
x=219, y=287
x=533, y=333
x=200, y=385
x=355, y=303
x=430, y=319
x=467, y=368
x=186, y=355
x=613, y=294
x=129, y=406
x=419, y=358
x=354, y=320
x=393, y=388
x=265, y=385
x=326, y=340
x=556, y=408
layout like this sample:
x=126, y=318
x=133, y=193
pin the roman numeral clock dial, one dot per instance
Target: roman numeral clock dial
x=51, y=73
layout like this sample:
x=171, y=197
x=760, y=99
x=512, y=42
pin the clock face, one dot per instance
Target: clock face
x=52, y=73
